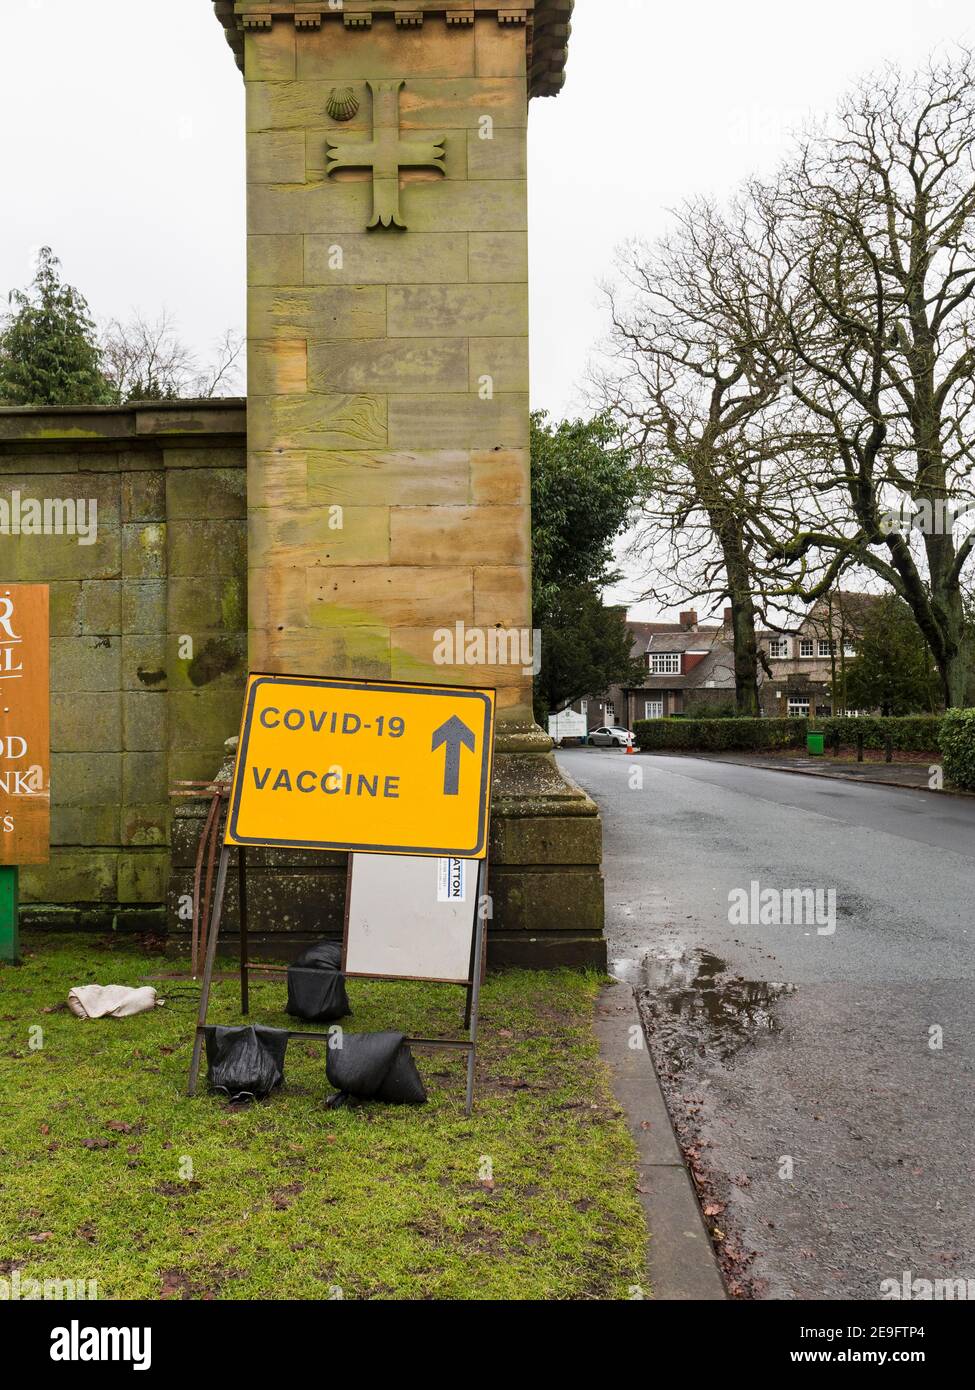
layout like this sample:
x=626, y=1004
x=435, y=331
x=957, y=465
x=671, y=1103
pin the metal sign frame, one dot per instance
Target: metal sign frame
x=471, y=986
x=211, y=930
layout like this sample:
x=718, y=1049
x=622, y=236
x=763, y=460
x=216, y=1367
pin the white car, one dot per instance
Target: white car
x=610, y=737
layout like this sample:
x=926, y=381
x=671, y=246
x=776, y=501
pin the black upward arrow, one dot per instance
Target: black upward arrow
x=453, y=734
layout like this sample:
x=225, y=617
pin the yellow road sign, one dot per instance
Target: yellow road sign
x=363, y=765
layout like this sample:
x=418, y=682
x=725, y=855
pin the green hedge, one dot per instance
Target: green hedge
x=714, y=735
x=915, y=733
x=958, y=747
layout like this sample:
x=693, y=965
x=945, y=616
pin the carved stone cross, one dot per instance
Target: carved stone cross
x=386, y=154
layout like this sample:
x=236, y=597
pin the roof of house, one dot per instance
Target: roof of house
x=549, y=27
x=715, y=670
x=680, y=640
x=643, y=632
x=849, y=610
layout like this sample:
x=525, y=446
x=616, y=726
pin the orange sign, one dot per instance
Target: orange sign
x=25, y=725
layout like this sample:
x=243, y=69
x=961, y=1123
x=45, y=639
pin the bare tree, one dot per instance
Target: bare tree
x=872, y=285
x=695, y=378
x=146, y=360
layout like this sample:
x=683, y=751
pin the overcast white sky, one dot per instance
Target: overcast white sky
x=123, y=143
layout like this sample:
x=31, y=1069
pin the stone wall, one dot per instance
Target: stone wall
x=135, y=709
x=148, y=635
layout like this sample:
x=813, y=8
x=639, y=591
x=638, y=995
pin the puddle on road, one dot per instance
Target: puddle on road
x=693, y=1009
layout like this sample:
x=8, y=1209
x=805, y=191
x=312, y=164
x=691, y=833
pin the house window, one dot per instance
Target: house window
x=654, y=709
x=806, y=646
x=826, y=648
x=583, y=706
x=798, y=709
x=849, y=650
x=778, y=647
x=665, y=663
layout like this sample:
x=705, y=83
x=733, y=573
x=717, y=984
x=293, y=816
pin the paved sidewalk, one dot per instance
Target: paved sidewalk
x=913, y=775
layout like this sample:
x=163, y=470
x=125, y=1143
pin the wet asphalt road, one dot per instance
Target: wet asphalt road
x=836, y=1075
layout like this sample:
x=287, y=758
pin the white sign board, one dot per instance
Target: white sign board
x=568, y=724
x=411, y=918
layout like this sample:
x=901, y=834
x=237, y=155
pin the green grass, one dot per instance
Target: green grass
x=286, y=1198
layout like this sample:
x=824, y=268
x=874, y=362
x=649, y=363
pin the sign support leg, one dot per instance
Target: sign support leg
x=475, y=993
x=242, y=901
x=201, y=1017
x=10, y=913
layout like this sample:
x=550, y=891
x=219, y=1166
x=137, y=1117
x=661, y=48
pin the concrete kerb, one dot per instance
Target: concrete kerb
x=680, y=1261
x=830, y=775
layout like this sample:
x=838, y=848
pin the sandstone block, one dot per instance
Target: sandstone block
x=86, y=664
x=502, y=595
x=368, y=478
x=397, y=596
x=275, y=259
x=367, y=259
x=389, y=366
x=86, y=722
x=342, y=311
x=276, y=156
x=459, y=535
x=463, y=311
x=499, y=257
x=206, y=494
x=458, y=422
x=277, y=366
x=501, y=477
x=317, y=422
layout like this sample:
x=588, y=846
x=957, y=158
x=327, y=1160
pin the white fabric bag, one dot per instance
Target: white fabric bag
x=113, y=1001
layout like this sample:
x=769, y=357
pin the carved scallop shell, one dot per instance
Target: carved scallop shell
x=342, y=104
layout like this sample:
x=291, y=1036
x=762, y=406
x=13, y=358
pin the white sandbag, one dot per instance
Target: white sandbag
x=111, y=1001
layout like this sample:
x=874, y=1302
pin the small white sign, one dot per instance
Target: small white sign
x=411, y=917
x=451, y=880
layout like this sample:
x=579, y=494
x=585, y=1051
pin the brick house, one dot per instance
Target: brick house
x=806, y=661
x=688, y=665
x=685, y=663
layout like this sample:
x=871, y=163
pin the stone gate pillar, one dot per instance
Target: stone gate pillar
x=388, y=411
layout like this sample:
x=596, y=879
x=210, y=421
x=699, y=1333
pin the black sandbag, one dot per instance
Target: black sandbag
x=375, y=1066
x=245, y=1063
x=316, y=985
x=323, y=955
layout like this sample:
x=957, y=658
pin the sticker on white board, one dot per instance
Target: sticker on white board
x=451, y=880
